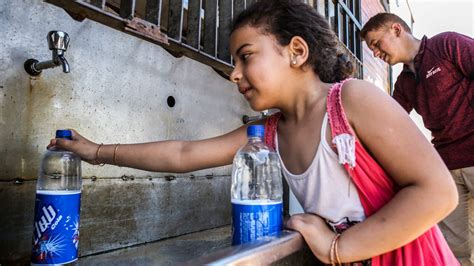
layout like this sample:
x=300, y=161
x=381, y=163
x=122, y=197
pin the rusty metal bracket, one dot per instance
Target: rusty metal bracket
x=145, y=29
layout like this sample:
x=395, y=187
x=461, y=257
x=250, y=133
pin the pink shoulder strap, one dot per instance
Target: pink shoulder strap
x=343, y=137
x=337, y=116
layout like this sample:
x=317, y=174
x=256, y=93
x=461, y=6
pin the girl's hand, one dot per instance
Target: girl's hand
x=315, y=232
x=81, y=146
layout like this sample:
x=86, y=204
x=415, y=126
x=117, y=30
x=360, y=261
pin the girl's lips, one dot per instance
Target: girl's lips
x=244, y=90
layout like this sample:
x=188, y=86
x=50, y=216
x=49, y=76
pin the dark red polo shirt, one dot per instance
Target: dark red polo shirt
x=442, y=92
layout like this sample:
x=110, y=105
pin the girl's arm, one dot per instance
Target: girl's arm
x=161, y=156
x=427, y=192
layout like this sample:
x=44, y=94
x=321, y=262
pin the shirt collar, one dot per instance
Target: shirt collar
x=418, y=56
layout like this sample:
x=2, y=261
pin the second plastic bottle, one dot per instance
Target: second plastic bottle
x=256, y=193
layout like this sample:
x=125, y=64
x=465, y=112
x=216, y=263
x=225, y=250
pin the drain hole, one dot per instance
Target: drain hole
x=171, y=101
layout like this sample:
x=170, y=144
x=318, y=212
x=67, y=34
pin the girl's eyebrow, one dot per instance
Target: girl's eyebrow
x=371, y=42
x=241, y=47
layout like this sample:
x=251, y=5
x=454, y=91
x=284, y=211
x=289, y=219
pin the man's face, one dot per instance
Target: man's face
x=385, y=44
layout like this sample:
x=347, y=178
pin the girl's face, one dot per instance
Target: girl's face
x=261, y=67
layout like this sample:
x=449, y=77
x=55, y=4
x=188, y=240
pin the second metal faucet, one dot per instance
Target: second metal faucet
x=58, y=42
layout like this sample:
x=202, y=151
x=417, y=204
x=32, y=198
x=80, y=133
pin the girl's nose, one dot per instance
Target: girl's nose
x=376, y=52
x=235, y=75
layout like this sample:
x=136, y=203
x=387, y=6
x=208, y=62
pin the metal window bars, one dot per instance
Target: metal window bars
x=198, y=29
x=344, y=18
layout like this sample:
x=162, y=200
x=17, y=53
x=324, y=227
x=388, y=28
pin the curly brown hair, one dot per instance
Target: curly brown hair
x=288, y=18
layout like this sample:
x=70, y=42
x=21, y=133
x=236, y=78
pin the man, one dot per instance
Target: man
x=437, y=81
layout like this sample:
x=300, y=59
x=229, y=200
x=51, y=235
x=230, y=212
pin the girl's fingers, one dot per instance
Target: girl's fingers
x=75, y=135
x=62, y=144
x=295, y=222
x=56, y=142
x=83, y=147
x=51, y=144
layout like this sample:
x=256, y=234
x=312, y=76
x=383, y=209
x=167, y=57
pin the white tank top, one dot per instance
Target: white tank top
x=325, y=188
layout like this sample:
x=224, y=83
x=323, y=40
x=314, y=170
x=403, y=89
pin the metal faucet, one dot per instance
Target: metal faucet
x=247, y=119
x=58, y=42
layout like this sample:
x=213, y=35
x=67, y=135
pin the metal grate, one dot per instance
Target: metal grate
x=198, y=29
x=344, y=18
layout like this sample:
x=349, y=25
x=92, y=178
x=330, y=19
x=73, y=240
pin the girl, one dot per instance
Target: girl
x=287, y=57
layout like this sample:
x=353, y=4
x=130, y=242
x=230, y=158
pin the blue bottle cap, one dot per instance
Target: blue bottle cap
x=64, y=134
x=255, y=131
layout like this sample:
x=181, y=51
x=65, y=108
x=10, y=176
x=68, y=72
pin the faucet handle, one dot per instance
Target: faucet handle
x=58, y=40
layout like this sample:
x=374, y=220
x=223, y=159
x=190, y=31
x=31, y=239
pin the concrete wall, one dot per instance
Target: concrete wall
x=116, y=92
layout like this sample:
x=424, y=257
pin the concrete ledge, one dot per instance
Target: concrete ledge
x=211, y=247
x=266, y=251
x=170, y=251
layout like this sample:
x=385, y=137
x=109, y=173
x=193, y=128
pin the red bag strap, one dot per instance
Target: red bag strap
x=270, y=129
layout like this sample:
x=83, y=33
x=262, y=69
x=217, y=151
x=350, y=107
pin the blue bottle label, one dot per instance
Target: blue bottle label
x=56, y=227
x=253, y=219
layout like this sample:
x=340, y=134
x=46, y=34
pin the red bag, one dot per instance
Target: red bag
x=375, y=188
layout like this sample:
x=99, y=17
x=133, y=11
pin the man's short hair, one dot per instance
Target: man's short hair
x=380, y=20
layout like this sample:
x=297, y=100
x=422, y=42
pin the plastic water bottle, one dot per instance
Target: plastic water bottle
x=58, y=198
x=256, y=193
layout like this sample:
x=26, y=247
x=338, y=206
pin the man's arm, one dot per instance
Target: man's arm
x=399, y=95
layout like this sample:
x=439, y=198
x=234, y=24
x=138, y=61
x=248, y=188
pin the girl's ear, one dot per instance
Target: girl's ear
x=299, y=51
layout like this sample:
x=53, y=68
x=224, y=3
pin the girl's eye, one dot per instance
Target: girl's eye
x=245, y=57
x=375, y=45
